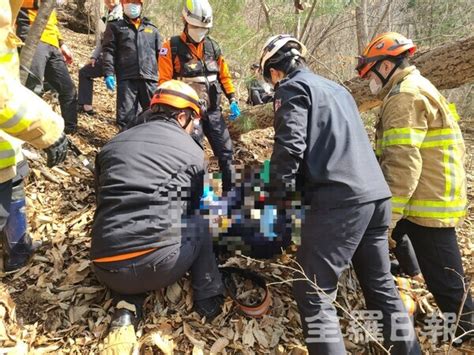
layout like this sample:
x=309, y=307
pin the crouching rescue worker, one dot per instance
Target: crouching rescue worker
x=421, y=152
x=322, y=152
x=148, y=231
x=196, y=59
x=23, y=117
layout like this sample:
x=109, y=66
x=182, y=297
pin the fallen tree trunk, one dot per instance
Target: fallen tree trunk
x=447, y=67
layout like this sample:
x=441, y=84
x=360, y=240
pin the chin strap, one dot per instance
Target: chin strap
x=384, y=81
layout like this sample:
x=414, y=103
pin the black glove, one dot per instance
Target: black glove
x=58, y=151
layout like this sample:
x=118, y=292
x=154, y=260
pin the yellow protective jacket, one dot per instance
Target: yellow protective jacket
x=421, y=152
x=26, y=17
x=23, y=115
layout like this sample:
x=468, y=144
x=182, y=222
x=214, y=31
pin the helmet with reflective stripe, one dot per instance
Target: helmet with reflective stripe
x=384, y=46
x=198, y=13
x=179, y=95
x=271, y=53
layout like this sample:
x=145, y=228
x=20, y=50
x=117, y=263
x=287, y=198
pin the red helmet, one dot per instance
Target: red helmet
x=386, y=45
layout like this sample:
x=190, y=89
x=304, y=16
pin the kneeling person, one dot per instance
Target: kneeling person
x=147, y=230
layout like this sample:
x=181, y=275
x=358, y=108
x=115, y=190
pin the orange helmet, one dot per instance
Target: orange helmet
x=177, y=94
x=386, y=45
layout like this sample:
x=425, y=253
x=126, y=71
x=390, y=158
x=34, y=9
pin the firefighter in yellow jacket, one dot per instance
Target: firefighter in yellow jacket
x=23, y=117
x=49, y=62
x=421, y=152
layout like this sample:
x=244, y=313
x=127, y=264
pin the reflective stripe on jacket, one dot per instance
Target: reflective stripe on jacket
x=23, y=115
x=421, y=152
x=26, y=17
x=168, y=69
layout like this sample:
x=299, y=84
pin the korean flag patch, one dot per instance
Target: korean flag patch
x=276, y=105
x=164, y=51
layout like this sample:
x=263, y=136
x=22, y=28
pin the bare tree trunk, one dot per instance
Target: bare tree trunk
x=267, y=15
x=382, y=19
x=99, y=25
x=28, y=51
x=308, y=18
x=361, y=25
x=298, y=23
x=447, y=66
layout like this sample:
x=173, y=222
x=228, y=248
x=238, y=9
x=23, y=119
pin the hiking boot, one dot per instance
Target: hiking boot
x=209, y=307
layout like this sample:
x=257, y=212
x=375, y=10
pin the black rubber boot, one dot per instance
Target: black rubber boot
x=209, y=307
x=18, y=254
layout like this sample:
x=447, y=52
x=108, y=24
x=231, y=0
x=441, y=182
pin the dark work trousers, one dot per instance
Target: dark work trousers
x=438, y=254
x=330, y=239
x=405, y=253
x=217, y=133
x=131, y=279
x=133, y=96
x=49, y=65
x=86, y=81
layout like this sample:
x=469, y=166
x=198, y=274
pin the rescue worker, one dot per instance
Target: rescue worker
x=23, y=117
x=49, y=63
x=148, y=230
x=130, y=54
x=322, y=153
x=94, y=69
x=259, y=92
x=421, y=152
x=196, y=59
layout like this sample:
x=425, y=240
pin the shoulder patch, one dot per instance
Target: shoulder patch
x=276, y=105
x=148, y=30
x=164, y=51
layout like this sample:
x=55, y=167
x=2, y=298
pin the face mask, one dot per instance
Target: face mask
x=132, y=10
x=197, y=34
x=375, y=87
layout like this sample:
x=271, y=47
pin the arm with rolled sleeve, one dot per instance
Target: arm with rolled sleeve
x=404, y=129
x=291, y=120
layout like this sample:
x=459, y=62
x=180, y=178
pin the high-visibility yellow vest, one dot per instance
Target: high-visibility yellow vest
x=421, y=152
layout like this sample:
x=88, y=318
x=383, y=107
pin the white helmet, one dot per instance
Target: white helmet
x=198, y=13
x=274, y=44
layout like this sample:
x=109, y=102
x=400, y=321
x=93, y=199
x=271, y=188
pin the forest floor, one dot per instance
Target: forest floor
x=62, y=308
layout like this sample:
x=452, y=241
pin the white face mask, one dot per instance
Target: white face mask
x=132, y=10
x=375, y=86
x=197, y=34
